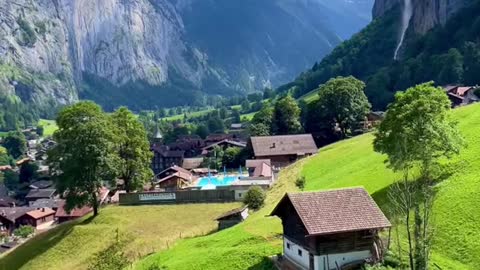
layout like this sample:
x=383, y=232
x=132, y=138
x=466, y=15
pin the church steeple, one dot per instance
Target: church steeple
x=158, y=138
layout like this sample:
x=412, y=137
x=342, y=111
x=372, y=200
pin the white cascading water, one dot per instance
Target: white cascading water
x=406, y=16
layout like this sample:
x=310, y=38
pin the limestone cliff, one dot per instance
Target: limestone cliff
x=426, y=13
x=145, y=53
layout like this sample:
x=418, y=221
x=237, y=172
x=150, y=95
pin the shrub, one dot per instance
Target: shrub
x=255, y=198
x=300, y=182
x=24, y=231
x=28, y=34
x=111, y=258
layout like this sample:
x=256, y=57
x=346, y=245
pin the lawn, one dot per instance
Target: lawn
x=344, y=164
x=189, y=115
x=149, y=228
x=49, y=126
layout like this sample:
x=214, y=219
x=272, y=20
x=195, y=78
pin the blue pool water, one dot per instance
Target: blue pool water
x=216, y=181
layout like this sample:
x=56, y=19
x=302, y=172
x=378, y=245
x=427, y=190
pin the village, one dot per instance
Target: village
x=333, y=229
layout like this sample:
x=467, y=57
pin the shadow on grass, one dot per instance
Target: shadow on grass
x=35, y=247
x=265, y=264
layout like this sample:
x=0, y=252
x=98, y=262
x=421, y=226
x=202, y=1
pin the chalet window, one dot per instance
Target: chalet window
x=288, y=245
x=300, y=252
x=239, y=195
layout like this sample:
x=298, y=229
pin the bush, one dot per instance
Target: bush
x=24, y=231
x=255, y=198
x=28, y=34
x=300, y=182
x=111, y=258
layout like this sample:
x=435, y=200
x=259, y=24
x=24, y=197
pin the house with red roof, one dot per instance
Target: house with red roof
x=462, y=95
x=334, y=229
x=39, y=219
x=62, y=215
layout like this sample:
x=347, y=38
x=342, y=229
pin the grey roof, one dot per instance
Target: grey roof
x=40, y=193
x=192, y=163
x=302, y=144
x=12, y=213
x=42, y=184
x=253, y=163
x=50, y=203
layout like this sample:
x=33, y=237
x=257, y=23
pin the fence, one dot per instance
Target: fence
x=184, y=196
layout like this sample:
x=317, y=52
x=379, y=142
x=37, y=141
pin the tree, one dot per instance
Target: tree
x=268, y=93
x=232, y=157
x=471, y=63
x=300, y=182
x=133, y=149
x=202, y=131
x=416, y=133
x=262, y=122
x=254, y=198
x=235, y=116
x=286, y=116
x=40, y=130
x=343, y=101
x=5, y=159
x=245, y=106
x=85, y=155
x=452, y=68
x=15, y=143
x=11, y=179
x=28, y=172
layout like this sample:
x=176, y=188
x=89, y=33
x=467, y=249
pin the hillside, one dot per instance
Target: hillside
x=148, y=228
x=441, y=44
x=348, y=163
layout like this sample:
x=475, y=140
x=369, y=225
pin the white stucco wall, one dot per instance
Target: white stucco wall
x=340, y=259
x=292, y=253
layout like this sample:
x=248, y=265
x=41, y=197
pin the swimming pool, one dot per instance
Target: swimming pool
x=206, y=182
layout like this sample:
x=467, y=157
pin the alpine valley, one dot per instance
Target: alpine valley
x=149, y=53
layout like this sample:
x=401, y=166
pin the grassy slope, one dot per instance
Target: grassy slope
x=49, y=126
x=347, y=163
x=151, y=228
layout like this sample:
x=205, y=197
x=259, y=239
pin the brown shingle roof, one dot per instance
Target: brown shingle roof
x=284, y=145
x=40, y=213
x=232, y=212
x=192, y=163
x=253, y=163
x=335, y=211
x=75, y=213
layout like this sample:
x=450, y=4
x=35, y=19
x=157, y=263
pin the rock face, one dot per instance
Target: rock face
x=426, y=13
x=49, y=47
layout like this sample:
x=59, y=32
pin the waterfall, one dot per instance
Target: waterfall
x=406, y=16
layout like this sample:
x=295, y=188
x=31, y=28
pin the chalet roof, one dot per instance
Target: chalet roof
x=175, y=168
x=232, y=212
x=5, y=168
x=50, y=203
x=165, y=152
x=253, y=163
x=40, y=193
x=191, y=163
x=336, y=211
x=13, y=213
x=6, y=201
x=40, y=213
x=301, y=144
x=226, y=141
x=204, y=170
x=23, y=160
x=77, y=212
x=236, y=126
x=263, y=170
x=42, y=184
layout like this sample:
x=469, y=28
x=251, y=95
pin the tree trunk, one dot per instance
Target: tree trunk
x=410, y=248
x=95, y=204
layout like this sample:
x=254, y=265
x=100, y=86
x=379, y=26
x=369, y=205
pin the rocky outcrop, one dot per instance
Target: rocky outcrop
x=426, y=13
x=49, y=47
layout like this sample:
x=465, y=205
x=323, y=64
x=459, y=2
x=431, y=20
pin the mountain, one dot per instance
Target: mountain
x=408, y=42
x=148, y=53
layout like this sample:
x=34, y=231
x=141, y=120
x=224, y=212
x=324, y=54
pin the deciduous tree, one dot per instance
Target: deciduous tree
x=343, y=101
x=15, y=143
x=85, y=155
x=133, y=149
x=286, y=116
x=416, y=132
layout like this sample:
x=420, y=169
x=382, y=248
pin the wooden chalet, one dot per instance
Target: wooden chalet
x=39, y=219
x=332, y=229
x=164, y=157
x=10, y=218
x=63, y=216
x=192, y=163
x=232, y=217
x=283, y=150
x=173, y=178
x=462, y=95
x=36, y=194
x=259, y=167
x=224, y=144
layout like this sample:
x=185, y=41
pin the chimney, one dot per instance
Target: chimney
x=273, y=145
x=43, y=209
